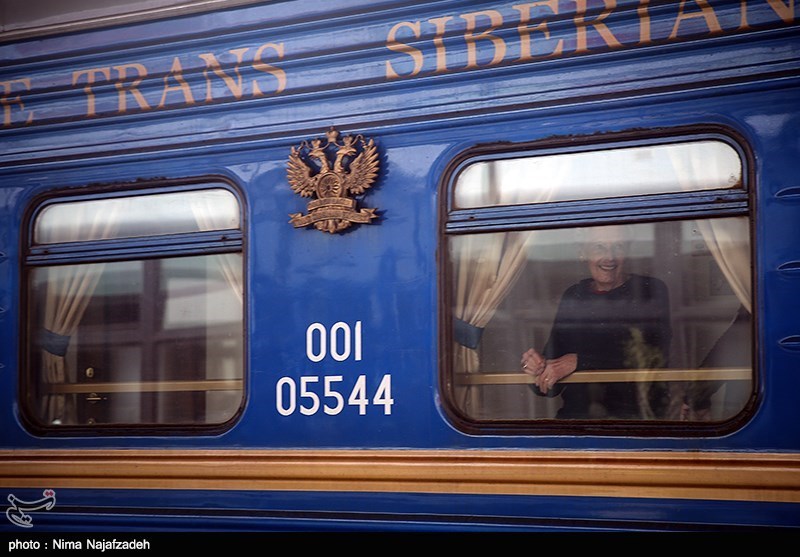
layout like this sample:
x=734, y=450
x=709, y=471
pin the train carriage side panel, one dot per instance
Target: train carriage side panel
x=262, y=211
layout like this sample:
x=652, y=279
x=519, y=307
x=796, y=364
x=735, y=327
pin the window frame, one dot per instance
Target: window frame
x=141, y=248
x=647, y=208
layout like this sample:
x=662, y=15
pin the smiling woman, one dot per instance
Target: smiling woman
x=612, y=320
x=604, y=249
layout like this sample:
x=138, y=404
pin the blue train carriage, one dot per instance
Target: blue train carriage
x=400, y=265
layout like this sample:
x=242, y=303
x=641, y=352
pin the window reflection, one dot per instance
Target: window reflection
x=137, y=216
x=157, y=340
x=140, y=342
x=691, y=166
x=656, y=317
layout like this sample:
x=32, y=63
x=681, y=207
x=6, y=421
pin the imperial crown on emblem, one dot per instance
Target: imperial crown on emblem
x=353, y=170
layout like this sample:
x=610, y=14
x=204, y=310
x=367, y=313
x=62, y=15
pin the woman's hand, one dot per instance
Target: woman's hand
x=556, y=370
x=533, y=363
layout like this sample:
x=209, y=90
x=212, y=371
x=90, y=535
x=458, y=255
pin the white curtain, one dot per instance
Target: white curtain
x=208, y=218
x=486, y=269
x=69, y=290
x=728, y=239
x=486, y=266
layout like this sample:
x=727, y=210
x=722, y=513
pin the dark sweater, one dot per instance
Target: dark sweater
x=624, y=328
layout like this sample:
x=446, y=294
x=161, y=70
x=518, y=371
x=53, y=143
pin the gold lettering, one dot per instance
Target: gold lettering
x=581, y=44
x=441, y=54
x=7, y=101
x=525, y=30
x=90, y=80
x=132, y=88
x=235, y=86
x=743, y=24
x=784, y=11
x=276, y=72
x=644, y=22
x=706, y=12
x=176, y=72
x=393, y=44
x=471, y=38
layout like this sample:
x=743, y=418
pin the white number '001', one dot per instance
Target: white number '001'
x=342, y=341
x=286, y=395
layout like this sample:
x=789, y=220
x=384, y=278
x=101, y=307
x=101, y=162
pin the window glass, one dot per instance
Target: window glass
x=143, y=215
x=609, y=320
x=691, y=166
x=152, y=341
x=637, y=322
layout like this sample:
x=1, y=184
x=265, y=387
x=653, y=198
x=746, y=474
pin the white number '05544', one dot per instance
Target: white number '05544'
x=309, y=400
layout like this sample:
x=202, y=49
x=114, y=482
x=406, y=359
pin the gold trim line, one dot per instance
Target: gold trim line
x=146, y=386
x=613, y=376
x=720, y=476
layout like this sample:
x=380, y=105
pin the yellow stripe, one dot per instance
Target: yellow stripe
x=146, y=386
x=720, y=476
x=612, y=376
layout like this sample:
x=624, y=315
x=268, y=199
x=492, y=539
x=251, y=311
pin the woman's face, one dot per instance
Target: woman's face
x=605, y=251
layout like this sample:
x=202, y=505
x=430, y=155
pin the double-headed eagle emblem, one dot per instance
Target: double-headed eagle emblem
x=354, y=170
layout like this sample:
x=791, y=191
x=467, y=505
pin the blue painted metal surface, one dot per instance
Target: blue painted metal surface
x=115, y=510
x=306, y=66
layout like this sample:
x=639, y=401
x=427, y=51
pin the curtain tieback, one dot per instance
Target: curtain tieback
x=466, y=334
x=53, y=343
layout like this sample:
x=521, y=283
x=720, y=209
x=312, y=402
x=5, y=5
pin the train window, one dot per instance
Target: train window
x=565, y=309
x=145, y=215
x=136, y=310
x=700, y=165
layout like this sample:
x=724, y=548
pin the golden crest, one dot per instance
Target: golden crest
x=311, y=174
